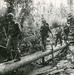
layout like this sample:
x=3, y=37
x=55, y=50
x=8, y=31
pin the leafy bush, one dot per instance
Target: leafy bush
x=31, y=42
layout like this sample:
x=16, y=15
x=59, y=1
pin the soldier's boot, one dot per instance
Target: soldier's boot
x=60, y=41
x=8, y=57
x=43, y=62
x=55, y=43
x=61, y=44
x=17, y=57
x=44, y=47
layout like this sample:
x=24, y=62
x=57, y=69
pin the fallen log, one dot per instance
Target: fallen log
x=53, y=71
x=56, y=71
x=59, y=54
x=49, y=69
x=11, y=65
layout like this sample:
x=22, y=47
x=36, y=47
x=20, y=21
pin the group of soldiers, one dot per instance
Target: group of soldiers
x=14, y=31
x=60, y=33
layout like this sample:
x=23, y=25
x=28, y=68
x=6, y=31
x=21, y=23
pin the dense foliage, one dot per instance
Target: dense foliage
x=29, y=40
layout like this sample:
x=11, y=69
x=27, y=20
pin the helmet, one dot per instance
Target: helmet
x=68, y=24
x=69, y=15
x=43, y=21
x=16, y=23
x=10, y=15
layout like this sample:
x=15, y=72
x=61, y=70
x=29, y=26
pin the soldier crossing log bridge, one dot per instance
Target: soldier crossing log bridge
x=11, y=65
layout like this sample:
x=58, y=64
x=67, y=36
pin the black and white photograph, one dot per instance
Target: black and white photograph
x=36, y=37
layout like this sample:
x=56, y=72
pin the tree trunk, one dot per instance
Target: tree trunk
x=11, y=65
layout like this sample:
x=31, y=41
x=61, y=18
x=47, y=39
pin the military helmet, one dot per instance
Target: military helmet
x=43, y=21
x=16, y=23
x=10, y=15
x=69, y=15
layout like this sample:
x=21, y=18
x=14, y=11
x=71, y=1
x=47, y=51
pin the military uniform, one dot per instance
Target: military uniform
x=66, y=32
x=44, y=34
x=12, y=43
x=58, y=36
x=70, y=20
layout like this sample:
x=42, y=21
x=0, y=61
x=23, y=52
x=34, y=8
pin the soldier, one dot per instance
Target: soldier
x=44, y=34
x=12, y=43
x=58, y=35
x=66, y=32
x=70, y=19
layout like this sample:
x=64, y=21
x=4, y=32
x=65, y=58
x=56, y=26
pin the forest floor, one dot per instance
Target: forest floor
x=63, y=67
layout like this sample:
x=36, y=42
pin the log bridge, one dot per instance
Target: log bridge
x=10, y=66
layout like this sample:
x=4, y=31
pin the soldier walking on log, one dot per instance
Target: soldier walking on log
x=66, y=33
x=44, y=34
x=58, y=35
x=13, y=33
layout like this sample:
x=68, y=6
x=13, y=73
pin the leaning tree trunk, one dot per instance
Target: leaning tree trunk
x=11, y=65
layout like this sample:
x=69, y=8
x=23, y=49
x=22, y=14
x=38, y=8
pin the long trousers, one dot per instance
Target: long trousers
x=58, y=37
x=12, y=44
x=66, y=37
x=44, y=38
